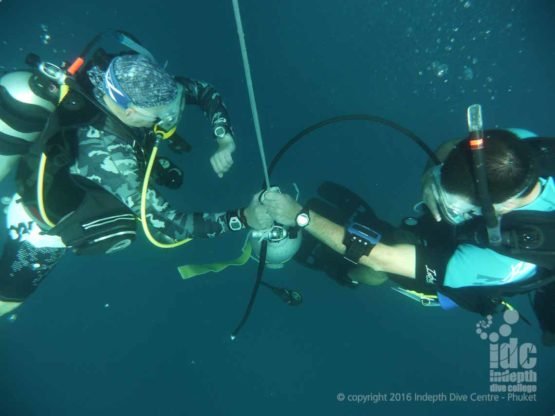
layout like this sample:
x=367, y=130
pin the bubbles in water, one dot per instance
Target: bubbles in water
x=13, y=317
x=45, y=36
x=439, y=69
x=468, y=73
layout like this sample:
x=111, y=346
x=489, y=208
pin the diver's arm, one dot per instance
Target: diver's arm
x=177, y=225
x=167, y=222
x=209, y=100
x=398, y=259
x=111, y=162
x=174, y=225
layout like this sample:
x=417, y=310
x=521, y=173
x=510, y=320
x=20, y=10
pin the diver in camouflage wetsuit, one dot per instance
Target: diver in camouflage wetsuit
x=140, y=94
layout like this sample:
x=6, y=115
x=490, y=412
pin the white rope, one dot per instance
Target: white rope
x=250, y=88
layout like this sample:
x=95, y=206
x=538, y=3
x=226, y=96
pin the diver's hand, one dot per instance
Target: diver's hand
x=281, y=207
x=256, y=214
x=428, y=194
x=222, y=160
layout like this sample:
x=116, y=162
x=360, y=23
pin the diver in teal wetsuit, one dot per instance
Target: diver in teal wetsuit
x=451, y=258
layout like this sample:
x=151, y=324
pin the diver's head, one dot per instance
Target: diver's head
x=510, y=170
x=141, y=93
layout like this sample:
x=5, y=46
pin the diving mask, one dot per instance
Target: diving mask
x=453, y=208
x=169, y=116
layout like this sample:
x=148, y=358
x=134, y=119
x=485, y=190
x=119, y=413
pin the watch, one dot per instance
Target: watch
x=303, y=218
x=359, y=240
x=236, y=220
x=220, y=132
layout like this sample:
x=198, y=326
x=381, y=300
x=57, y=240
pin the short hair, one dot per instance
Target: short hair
x=510, y=168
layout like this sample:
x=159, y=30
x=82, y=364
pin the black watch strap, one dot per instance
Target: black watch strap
x=356, y=248
x=359, y=241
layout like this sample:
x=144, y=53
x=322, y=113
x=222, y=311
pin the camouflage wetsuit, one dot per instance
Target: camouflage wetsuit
x=112, y=161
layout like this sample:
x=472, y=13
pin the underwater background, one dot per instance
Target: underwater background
x=123, y=334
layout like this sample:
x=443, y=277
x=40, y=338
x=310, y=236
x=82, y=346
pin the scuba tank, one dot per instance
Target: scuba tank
x=27, y=99
x=282, y=245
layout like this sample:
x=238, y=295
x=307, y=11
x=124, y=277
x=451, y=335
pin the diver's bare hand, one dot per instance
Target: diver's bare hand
x=222, y=160
x=256, y=214
x=428, y=194
x=281, y=207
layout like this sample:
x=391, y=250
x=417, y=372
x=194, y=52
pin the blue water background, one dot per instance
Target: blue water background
x=122, y=334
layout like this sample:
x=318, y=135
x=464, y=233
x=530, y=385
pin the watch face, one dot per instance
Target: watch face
x=235, y=224
x=302, y=219
x=219, y=132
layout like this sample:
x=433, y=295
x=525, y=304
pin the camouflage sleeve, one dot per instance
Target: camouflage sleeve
x=209, y=100
x=111, y=162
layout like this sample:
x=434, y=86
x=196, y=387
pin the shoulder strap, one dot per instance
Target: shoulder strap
x=527, y=235
x=530, y=236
